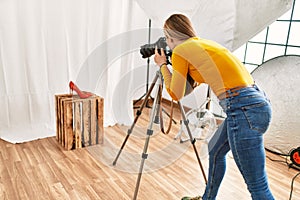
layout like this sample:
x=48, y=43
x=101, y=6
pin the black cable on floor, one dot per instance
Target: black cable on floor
x=292, y=185
x=290, y=165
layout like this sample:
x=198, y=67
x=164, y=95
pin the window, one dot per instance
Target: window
x=280, y=38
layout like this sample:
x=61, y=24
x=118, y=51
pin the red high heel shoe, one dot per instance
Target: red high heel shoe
x=81, y=94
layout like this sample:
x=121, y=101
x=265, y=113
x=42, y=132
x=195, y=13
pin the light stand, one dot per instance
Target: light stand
x=148, y=66
x=155, y=108
x=147, y=81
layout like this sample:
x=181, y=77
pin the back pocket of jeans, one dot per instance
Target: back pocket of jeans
x=258, y=116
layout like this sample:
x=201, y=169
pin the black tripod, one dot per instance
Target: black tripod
x=153, y=117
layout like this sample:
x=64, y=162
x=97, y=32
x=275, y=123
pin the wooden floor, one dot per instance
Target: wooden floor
x=42, y=169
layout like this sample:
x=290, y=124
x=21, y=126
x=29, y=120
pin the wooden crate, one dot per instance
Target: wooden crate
x=79, y=122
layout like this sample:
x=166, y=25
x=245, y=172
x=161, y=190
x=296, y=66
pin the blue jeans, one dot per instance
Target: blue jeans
x=248, y=117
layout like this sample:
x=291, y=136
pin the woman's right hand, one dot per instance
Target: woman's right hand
x=160, y=59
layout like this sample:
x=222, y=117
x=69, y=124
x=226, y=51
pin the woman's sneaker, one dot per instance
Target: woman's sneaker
x=192, y=198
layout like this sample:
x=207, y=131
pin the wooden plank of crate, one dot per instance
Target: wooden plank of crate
x=100, y=131
x=68, y=125
x=93, y=121
x=56, y=116
x=61, y=126
x=77, y=126
x=60, y=116
x=86, y=109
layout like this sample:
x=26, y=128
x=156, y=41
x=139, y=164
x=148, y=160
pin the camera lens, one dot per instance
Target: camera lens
x=148, y=50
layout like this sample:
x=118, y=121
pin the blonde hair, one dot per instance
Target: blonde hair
x=179, y=26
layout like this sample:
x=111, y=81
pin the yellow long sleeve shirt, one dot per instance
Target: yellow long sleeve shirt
x=206, y=62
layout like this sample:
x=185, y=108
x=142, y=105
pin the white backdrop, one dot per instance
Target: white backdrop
x=44, y=44
x=231, y=22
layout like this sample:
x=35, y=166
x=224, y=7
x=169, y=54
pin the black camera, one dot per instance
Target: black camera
x=148, y=50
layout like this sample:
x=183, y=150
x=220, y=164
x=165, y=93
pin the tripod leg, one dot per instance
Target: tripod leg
x=138, y=113
x=139, y=100
x=144, y=157
x=157, y=118
x=149, y=133
x=193, y=140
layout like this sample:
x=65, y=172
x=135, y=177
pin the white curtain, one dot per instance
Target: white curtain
x=44, y=44
x=95, y=43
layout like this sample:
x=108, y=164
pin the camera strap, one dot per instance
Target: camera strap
x=170, y=117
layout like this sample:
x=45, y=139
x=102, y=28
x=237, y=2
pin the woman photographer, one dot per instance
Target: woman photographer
x=246, y=106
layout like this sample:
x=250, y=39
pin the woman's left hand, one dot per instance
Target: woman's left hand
x=160, y=59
